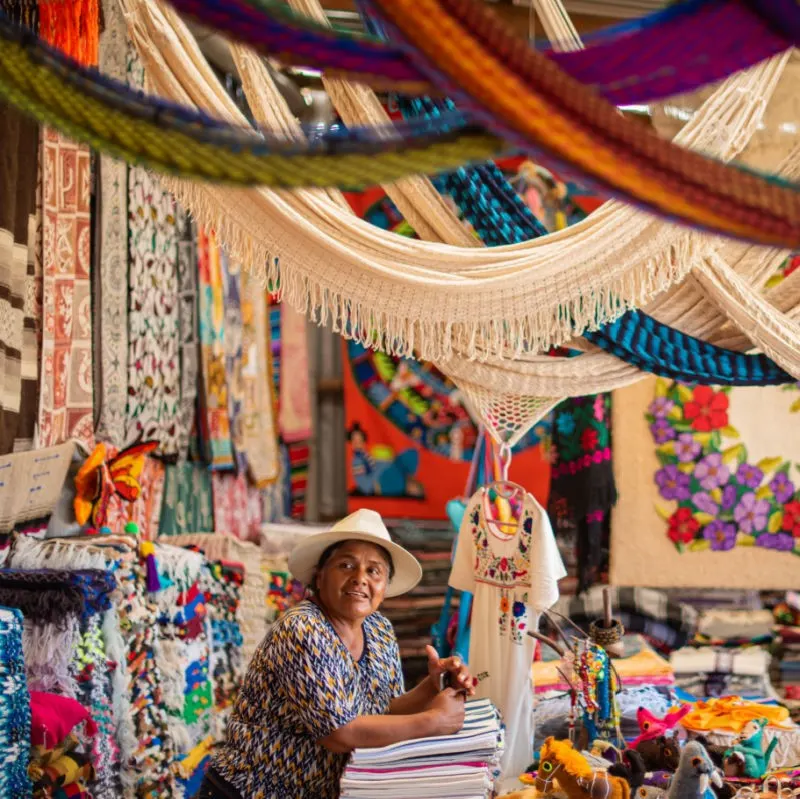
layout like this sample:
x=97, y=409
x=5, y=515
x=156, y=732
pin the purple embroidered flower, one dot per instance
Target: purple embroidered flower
x=518, y=609
x=660, y=407
x=673, y=483
x=783, y=542
x=704, y=503
x=527, y=525
x=749, y=475
x=711, y=472
x=751, y=513
x=782, y=487
x=686, y=448
x=662, y=431
x=728, y=496
x=722, y=535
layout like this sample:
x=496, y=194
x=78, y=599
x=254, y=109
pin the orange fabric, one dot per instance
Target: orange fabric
x=733, y=713
x=72, y=26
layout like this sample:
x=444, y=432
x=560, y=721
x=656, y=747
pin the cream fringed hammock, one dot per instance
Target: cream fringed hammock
x=425, y=297
x=335, y=263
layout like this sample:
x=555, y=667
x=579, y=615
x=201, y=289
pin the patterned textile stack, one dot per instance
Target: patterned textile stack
x=787, y=652
x=414, y=614
x=463, y=766
x=15, y=720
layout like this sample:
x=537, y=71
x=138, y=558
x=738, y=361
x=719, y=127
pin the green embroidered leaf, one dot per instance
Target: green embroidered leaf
x=765, y=492
x=716, y=440
x=744, y=540
x=682, y=427
x=774, y=281
x=795, y=407
x=784, y=468
x=775, y=521
x=664, y=459
x=668, y=448
x=686, y=468
x=730, y=431
x=768, y=464
x=675, y=413
x=703, y=518
x=701, y=545
x=662, y=512
x=716, y=495
x=704, y=439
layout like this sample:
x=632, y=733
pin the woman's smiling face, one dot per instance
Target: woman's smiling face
x=352, y=581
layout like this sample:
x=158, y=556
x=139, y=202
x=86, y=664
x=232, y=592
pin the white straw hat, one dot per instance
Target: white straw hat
x=363, y=525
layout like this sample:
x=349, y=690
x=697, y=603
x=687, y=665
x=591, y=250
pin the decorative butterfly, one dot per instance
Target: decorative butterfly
x=99, y=478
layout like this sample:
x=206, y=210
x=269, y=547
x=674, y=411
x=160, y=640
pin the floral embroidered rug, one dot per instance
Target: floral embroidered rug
x=709, y=486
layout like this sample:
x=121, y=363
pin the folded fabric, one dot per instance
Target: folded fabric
x=54, y=717
x=68, y=769
x=732, y=713
x=77, y=790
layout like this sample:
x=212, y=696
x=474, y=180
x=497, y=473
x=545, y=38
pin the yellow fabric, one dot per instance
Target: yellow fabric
x=732, y=713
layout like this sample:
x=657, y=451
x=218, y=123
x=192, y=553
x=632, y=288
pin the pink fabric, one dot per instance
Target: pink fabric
x=294, y=419
x=54, y=717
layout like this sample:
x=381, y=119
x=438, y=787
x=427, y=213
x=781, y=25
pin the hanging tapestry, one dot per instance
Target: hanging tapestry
x=233, y=512
x=18, y=343
x=214, y=420
x=299, y=455
x=187, y=505
x=709, y=484
x=110, y=279
x=232, y=299
x=295, y=400
x=257, y=421
x=187, y=285
x=66, y=401
x=411, y=440
x=153, y=410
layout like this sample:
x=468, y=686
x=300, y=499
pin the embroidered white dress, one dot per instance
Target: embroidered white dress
x=513, y=578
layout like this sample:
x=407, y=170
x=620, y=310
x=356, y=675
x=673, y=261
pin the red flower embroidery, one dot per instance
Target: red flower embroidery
x=708, y=410
x=791, y=518
x=794, y=265
x=503, y=564
x=589, y=439
x=682, y=526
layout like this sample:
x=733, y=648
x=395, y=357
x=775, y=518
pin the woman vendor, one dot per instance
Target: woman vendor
x=327, y=677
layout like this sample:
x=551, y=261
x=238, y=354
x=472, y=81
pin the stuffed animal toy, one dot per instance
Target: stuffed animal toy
x=749, y=751
x=630, y=767
x=694, y=775
x=659, y=754
x=651, y=726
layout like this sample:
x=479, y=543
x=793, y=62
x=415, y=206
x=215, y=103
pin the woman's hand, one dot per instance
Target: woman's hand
x=460, y=678
x=447, y=710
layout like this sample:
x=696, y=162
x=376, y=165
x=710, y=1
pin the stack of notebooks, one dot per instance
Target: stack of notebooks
x=460, y=766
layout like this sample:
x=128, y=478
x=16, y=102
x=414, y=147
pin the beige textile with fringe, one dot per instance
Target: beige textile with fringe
x=641, y=553
x=433, y=298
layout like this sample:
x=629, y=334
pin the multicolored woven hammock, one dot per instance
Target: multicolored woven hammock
x=527, y=98
x=675, y=50
x=143, y=129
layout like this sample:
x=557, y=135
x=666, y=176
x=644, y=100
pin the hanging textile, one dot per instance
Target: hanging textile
x=295, y=400
x=232, y=299
x=187, y=285
x=234, y=513
x=722, y=496
x=257, y=421
x=298, y=454
x=213, y=406
x=110, y=279
x=18, y=339
x=65, y=409
x=411, y=440
x=146, y=510
x=188, y=505
x=154, y=382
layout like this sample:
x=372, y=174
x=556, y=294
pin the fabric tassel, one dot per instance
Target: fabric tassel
x=148, y=552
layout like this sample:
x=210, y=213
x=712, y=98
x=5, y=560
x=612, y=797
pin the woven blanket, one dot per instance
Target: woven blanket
x=188, y=504
x=15, y=714
x=214, y=414
x=110, y=279
x=18, y=343
x=187, y=283
x=295, y=399
x=706, y=486
x=232, y=338
x=234, y=512
x=65, y=409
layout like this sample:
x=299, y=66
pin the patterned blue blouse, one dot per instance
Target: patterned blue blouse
x=303, y=684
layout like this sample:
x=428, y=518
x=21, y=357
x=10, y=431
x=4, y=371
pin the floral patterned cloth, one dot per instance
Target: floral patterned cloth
x=236, y=511
x=214, y=421
x=187, y=282
x=725, y=497
x=66, y=392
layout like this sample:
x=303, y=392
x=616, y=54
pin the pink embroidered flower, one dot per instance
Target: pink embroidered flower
x=503, y=564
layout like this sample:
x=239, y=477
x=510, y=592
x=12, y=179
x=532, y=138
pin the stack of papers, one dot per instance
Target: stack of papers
x=460, y=766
